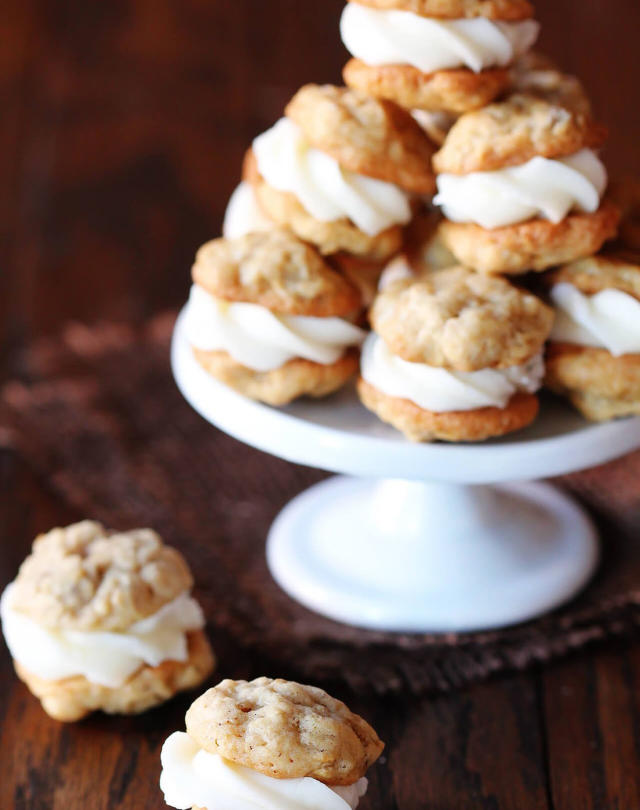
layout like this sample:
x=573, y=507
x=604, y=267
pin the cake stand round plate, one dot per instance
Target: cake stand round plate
x=426, y=537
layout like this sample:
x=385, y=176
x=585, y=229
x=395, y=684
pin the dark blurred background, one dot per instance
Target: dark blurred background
x=124, y=123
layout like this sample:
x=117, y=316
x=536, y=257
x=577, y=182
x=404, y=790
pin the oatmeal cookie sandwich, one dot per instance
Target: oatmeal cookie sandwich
x=455, y=356
x=593, y=357
x=521, y=186
x=268, y=317
x=340, y=170
x=442, y=57
x=268, y=744
x=101, y=620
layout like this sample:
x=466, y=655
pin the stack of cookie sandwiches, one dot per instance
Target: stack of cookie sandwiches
x=421, y=198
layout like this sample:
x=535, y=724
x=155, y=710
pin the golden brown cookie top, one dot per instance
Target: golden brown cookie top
x=85, y=577
x=536, y=75
x=365, y=135
x=275, y=270
x=598, y=273
x=461, y=320
x=512, y=132
x=285, y=730
x=511, y=10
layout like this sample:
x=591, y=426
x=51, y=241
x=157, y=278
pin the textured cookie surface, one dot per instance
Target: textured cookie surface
x=453, y=91
x=329, y=238
x=275, y=270
x=512, y=132
x=461, y=320
x=282, y=385
x=535, y=75
x=365, y=135
x=419, y=425
x=72, y=699
x=534, y=245
x=599, y=385
x=597, y=273
x=84, y=577
x=285, y=730
x=453, y=9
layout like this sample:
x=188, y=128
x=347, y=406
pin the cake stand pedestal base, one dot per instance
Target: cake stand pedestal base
x=429, y=557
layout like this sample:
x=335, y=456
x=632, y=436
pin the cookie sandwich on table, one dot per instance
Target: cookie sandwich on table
x=454, y=355
x=436, y=58
x=268, y=744
x=102, y=620
x=268, y=317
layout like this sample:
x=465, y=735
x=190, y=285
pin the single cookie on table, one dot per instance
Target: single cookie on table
x=340, y=170
x=447, y=57
x=593, y=357
x=270, y=318
x=101, y=620
x=454, y=356
x=521, y=187
x=268, y=743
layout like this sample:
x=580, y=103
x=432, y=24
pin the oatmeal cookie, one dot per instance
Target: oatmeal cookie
x=512, y=132
x=508, y=10
x=297, y=378
x=284, y=730
x=365, y=135
x=534, y=245
x=597, y=273
x=329, y=238
x=276, y=270
x=71, y=699
x=462, y=321
x=420, y=425
x=85, y=577
x=535, y=75
x=451, y=91
x=598, y=384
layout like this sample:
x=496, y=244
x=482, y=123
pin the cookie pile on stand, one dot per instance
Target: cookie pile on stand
x=335, y=223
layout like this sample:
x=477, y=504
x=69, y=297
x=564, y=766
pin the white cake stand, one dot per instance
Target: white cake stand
x=412, y=538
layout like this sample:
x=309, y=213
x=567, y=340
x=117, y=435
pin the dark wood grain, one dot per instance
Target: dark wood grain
x=122, y=130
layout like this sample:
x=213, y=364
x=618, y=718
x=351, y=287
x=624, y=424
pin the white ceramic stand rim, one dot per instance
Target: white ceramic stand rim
x=438, y=556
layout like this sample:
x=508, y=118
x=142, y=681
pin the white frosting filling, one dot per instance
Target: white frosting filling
x=104, y=658
x=243, y=214
x=403, y=38
x=261, y=340
x=440, y=390
x=327, y=191
x=192, y=777
x=608, y=320
x=549, y=189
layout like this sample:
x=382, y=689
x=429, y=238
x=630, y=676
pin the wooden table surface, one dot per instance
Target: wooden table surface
x=122, y=129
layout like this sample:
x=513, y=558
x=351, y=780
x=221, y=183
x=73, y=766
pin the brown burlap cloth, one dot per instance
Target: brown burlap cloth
x=97, y=413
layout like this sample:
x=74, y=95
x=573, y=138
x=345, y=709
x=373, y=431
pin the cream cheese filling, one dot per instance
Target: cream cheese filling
x=548, y=189
x=105, y=658
x=610, y=319
x=262, y=340
x=192, y=777
x=326, y=190
x=380, y=37
x=440, y=390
